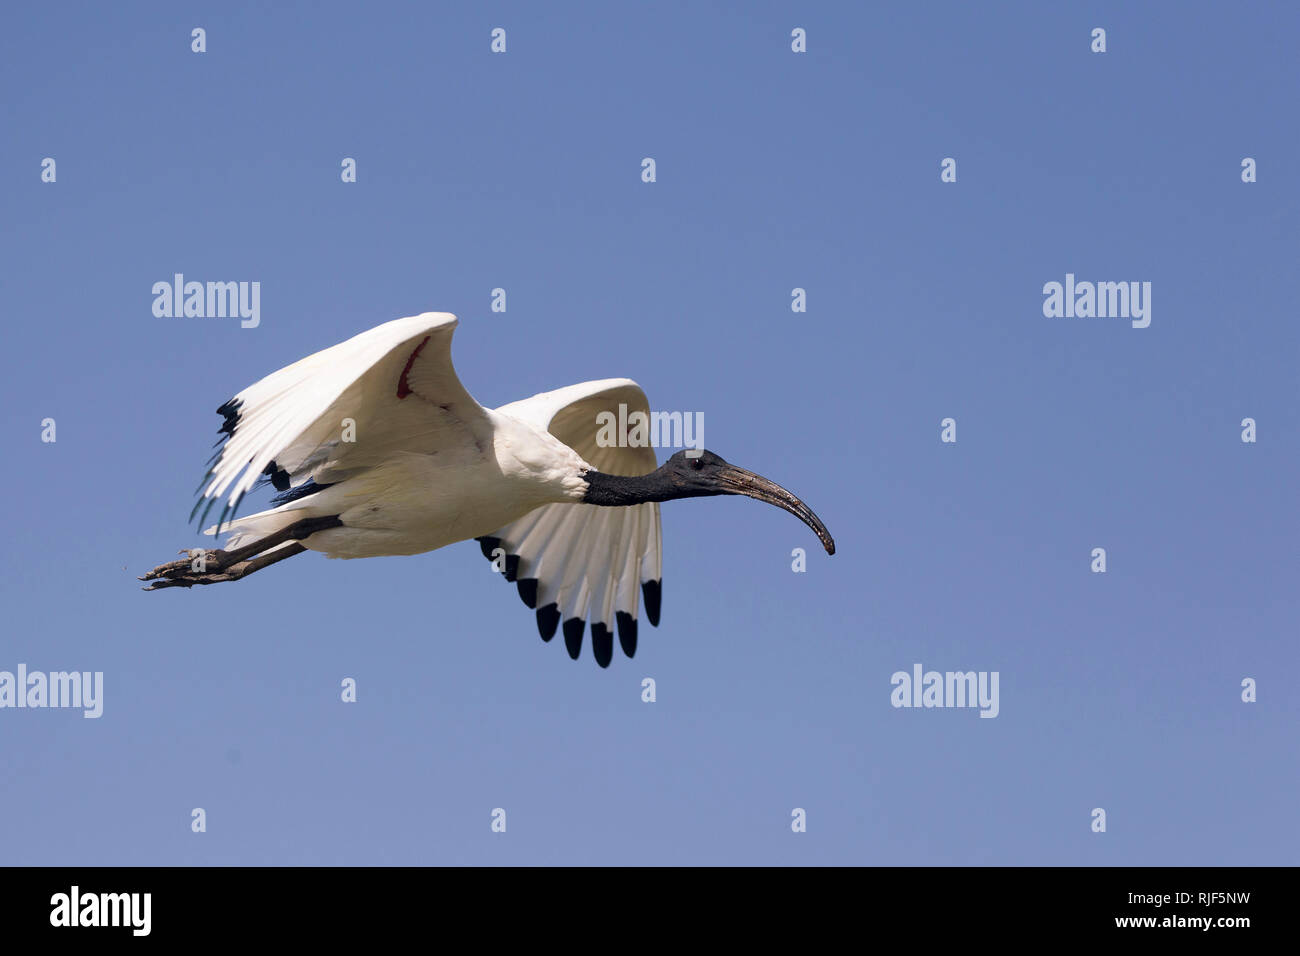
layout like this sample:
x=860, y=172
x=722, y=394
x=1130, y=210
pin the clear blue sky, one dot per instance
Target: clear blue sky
x=775, y=170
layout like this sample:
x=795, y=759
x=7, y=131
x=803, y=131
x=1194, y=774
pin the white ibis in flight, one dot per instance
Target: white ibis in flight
x=376, y=449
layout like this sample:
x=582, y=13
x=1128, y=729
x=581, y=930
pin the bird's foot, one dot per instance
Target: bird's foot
x=198, y=567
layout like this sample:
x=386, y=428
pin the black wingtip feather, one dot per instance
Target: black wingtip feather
x=230, y=415
x=528, y=591
x=488, y=544
x=279, y=477
x=602, y=644
x=626, y=632
x=512, y=567
x=211, y=501
x=573, y=629
x=653, y=592
x=225, y=509
x=548, y=619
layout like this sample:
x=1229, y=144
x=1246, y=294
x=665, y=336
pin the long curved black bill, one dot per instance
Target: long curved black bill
x=738, y=481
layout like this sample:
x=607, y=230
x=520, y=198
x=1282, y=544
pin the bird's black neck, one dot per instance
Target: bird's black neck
x=619, y=490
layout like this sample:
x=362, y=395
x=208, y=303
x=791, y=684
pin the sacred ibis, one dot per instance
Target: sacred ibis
x=376, y=449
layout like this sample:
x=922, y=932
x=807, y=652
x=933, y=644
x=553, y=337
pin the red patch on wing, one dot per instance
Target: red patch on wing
x=404, y=387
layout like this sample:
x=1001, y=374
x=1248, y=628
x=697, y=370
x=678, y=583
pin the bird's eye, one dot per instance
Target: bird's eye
x=697, y=463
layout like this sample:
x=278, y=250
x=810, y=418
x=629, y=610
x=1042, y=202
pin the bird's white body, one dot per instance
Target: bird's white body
x=415, y=501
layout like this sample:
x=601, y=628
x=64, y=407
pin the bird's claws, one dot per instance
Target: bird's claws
x=232, y=573
x=167, y=583
x=210, y=565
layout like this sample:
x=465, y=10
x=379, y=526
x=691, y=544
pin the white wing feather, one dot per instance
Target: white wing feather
x=392, y=382
x=580, y=563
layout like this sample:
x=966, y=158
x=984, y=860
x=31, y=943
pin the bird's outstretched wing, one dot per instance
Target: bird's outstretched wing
x=576, y=563
x=341, y=409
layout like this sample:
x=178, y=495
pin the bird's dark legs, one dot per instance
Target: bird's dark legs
x=212, y=567
x=233, y=572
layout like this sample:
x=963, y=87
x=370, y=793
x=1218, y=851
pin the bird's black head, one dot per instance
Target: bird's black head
x=698, y=474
